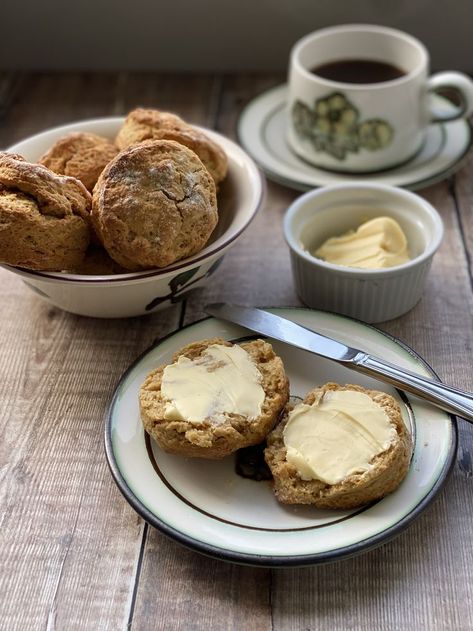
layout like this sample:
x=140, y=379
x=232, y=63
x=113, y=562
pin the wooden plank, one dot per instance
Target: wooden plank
x=70, y=542
x=463, y=193
x=420, y=580
x=73, y=554
x=256, y=271
x=9, y=82
x=438, y=326
x=42, y=101
x=178, y=588
x=194, y=97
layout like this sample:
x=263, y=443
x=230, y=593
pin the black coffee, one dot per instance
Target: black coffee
x=358, y=71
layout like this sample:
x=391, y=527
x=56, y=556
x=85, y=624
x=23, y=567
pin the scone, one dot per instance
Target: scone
x=154, y=204
x=147, y=124
x=97, y=262
x=343, y=447
x=44, y=217
x=80, y=155
x=216, y=397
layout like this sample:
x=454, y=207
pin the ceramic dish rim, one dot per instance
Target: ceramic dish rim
x=356, y=272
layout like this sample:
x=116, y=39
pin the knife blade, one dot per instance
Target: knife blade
x=269, y=324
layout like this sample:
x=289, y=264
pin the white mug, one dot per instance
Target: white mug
x=365, y=127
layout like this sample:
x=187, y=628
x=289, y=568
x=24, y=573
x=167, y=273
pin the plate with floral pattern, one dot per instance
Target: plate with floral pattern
x=224, y=508
x=261, y=131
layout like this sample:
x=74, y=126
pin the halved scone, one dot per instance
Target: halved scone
x=342, y=447
x=216, y=397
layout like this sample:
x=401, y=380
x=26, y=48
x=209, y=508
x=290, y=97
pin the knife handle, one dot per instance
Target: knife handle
x=445, y=397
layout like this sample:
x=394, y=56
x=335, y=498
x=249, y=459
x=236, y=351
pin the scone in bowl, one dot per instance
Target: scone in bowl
x=371, y=295
x=140, y=293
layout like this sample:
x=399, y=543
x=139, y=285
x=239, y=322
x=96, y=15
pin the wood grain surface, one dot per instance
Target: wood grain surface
x=73, y=554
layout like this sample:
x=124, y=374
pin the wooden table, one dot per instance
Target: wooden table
x=74, y=555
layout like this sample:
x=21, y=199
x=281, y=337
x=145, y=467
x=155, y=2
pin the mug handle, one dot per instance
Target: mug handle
x=462, y=85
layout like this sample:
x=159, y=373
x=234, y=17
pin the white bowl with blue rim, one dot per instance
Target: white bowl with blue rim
x=140, y=293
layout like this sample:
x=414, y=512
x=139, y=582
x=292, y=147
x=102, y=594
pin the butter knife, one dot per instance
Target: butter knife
x=445, y=397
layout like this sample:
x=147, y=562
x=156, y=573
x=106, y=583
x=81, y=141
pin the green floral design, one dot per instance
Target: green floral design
x=181, y=285
x=333, y=126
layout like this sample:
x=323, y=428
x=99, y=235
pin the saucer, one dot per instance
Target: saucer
x=261, y=131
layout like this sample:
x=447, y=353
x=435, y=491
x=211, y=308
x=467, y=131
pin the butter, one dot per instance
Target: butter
x=223, y=380
x=337, y=436
x=377, y=243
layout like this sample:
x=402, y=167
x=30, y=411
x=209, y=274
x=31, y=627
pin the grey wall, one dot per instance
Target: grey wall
x=210, y=35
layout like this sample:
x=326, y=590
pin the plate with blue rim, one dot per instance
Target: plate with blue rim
x=261, y=131
x=214, y=508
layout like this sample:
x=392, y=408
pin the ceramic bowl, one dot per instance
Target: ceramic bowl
x=139, y=293
x=369, y=295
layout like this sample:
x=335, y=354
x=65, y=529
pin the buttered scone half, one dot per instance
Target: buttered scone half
x=154, y=204
x=342, y=447
x=147, y=124
x=216, y=397
x=80, y=155
x=44, y=217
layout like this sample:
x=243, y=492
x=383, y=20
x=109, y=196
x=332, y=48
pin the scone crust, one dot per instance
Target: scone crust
x=44, y=217
x=208, y=440
x=390, y=466
x=146, y=124
x=140, y=125
x=154, y=204
x=80, y=155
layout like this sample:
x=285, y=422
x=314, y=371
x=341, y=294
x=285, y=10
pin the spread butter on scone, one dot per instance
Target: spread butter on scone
x=342, y=447
x=214, y=398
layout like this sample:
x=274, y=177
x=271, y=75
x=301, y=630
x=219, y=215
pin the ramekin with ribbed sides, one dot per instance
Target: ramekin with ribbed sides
x=139, y=293
x=372, y=295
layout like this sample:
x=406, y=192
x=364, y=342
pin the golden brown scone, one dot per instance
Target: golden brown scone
x=44, y=217
x=141, y=124
x=154, y=204
x=147, y=124
x=208, y=440
x=80, y=155
x=390, y=466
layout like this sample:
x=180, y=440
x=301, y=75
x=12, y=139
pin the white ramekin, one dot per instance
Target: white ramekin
x=369, y=295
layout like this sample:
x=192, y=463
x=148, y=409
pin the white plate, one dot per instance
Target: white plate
x=261, y=131
x=208, y=507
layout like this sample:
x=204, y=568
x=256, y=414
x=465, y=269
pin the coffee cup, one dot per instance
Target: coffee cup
x=360, y=98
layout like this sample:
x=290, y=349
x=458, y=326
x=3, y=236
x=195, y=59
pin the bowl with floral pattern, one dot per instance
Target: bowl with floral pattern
x=139, y=293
